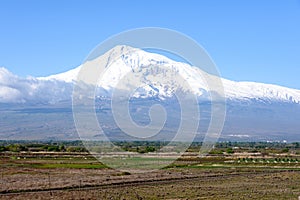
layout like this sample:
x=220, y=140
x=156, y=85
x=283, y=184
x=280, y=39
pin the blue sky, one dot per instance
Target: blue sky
x=250, y=40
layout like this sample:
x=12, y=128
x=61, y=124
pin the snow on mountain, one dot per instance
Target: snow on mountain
x=260, y=91
x=67, y=77
x=156, y=73
x=59, y=87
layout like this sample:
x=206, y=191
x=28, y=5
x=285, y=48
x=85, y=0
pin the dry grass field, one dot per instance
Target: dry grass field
x=80, y=176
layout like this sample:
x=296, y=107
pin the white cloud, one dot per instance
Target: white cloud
x=14, y=89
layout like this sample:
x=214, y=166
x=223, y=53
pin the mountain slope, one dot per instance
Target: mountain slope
x=55, y=88
x=40, y=108
x=139, y=60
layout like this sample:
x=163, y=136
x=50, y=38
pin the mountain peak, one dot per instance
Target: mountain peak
x=124, y=59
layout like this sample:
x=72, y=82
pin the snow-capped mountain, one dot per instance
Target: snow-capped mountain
x=57, y=87
x=42, y=105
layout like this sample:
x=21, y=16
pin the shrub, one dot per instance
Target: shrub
x=229, y=150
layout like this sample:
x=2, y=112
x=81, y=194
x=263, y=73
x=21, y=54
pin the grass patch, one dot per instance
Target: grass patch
x=57, y=165
x=71, y=165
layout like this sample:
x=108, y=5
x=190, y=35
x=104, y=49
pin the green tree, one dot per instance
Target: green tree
x=229, y=150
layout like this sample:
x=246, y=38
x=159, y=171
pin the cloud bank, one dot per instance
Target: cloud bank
x=14, y=89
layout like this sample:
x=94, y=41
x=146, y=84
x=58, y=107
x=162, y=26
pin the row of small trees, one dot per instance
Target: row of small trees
x=264, y=160
x=42, y=147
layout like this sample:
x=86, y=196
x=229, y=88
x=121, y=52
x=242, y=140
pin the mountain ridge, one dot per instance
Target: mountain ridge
x=20, y=90
x=41, y=107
